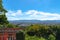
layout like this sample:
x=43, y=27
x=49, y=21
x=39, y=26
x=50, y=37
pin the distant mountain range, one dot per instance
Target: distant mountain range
x=35, y=22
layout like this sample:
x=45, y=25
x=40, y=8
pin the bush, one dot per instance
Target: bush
x=20, y=36
x=31, y=33
x=51, y=37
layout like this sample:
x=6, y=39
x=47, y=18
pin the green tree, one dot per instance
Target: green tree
x=3, y=18
x=51, y=37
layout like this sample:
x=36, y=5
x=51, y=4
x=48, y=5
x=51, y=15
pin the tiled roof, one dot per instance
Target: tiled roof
x=10, y=29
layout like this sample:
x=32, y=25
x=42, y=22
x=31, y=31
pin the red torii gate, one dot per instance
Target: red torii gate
x=8, y=33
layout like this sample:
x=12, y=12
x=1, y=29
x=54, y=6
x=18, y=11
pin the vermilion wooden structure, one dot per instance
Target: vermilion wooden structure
x=8, y=33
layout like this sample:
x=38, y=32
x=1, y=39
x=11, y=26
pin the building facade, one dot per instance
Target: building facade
x=8, y=33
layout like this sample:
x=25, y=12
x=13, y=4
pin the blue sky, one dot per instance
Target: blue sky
x=32, y=9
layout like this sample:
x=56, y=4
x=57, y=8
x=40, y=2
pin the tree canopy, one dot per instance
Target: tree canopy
x=3, y=18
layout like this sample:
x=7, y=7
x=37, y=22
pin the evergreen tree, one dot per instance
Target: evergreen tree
x=3, y=18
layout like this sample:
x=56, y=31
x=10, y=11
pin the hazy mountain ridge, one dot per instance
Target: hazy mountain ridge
x=35, y=22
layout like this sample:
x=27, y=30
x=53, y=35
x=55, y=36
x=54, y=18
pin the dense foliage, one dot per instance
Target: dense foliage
x=49, y=32
x=3, y=18
x=20, y=36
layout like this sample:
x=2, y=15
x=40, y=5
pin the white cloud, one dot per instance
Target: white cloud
x=32, y=14
x=13, y=13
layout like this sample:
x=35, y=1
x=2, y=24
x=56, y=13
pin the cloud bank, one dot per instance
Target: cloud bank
x=32, y=15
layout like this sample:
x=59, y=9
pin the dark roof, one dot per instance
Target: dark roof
x=10, y=29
